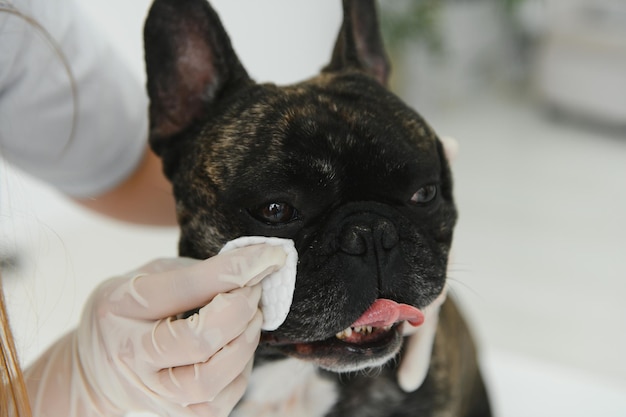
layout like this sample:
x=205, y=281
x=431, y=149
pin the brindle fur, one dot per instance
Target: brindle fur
x=349, y=155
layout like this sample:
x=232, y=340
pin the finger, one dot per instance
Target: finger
x=173, y=343
x=152, y=297
x=222, y=406
x=415, y=363
x=163, y=264
x=226, y=401
x=450, y=147
x=203, y=382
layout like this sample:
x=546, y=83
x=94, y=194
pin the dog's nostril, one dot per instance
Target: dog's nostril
x=385, y=232
x=353, y=240
x=357, y=239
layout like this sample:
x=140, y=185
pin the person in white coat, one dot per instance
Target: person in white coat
x=73, y=115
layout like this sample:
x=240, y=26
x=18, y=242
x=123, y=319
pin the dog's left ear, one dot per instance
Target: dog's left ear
x=190, y=64
x=360, y=44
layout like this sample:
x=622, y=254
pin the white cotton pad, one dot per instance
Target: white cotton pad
x=277, y=287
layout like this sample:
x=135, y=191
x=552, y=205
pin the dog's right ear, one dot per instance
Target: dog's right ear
x=190, y=64
x=360, y=43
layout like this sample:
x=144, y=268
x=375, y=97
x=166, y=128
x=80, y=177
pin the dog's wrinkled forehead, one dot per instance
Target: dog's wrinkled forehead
x=331, y=120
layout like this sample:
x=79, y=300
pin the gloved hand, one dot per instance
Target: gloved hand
x=416, y=360
x=130, y=353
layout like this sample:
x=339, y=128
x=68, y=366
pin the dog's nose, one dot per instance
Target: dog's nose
x=358, y=238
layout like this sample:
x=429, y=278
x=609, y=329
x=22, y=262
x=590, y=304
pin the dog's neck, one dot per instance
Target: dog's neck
x=288, y=387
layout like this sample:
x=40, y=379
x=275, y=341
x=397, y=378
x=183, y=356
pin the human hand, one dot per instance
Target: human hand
x=130, y=353
x=416, y=360
x=415, y=363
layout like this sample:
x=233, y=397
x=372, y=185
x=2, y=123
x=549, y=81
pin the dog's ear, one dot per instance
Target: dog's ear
x=359, y=44
x=190, y=64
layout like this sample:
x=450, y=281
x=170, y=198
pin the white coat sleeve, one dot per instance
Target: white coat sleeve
x=81, y=127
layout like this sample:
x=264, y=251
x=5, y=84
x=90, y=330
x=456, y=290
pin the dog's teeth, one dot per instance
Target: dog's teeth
x=364, y=330
x=344, y=333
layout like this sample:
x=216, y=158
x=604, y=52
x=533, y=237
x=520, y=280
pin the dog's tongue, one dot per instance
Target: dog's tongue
x=387, y=312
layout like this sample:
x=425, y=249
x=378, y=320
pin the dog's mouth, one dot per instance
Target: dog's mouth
x=371, y=340
x=379, y=319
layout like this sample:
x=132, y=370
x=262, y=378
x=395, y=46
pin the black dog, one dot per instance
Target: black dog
x=345, y=169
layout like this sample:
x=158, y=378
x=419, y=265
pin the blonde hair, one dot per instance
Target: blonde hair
x=13, y=395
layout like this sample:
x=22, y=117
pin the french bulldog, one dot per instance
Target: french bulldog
x=345, y=169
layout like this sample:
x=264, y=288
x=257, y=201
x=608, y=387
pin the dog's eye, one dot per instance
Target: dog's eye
x=425, y=195
x=275, y=213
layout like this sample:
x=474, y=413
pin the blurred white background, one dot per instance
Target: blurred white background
x=535, y=95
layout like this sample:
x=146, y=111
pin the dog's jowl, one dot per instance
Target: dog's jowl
x=357, y=179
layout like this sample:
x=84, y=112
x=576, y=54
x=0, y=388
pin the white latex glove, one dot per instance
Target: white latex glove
x=130, y=353
x=416, y=360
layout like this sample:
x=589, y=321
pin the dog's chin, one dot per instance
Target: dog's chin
x=348, y=351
